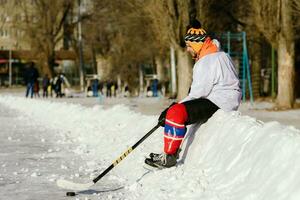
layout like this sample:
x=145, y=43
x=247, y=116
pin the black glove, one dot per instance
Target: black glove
x=162, y=117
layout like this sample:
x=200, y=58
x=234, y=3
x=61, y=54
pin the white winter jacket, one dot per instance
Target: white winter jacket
x=215, y=78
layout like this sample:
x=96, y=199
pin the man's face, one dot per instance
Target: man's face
x=190, y=49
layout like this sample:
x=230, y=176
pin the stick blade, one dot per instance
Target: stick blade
x=73, y=186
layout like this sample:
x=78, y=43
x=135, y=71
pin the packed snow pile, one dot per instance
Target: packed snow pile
x=230, y=157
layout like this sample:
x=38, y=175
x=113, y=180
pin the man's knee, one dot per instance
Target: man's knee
x=177, y=113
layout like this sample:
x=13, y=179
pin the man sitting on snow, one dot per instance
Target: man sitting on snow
x=215, y=86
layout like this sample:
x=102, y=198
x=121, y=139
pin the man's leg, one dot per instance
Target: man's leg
x=178, y=116
x=175, y=128
x=199, y=110
x=174, y=133
x=32, y=89
x=27, y=89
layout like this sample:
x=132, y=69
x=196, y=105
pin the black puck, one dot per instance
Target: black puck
x=70, y=193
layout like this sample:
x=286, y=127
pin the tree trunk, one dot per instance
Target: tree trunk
x=286, y=58
x=103, y=67
x=50, y=64
x=286, y=72
x=94, y=59
x=46, y=69
x=141, y=80
x=184, y=71
x=119, y=83
x=256, y=43
x=159, y=68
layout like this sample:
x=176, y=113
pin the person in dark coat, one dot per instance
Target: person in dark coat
x=95, y=84
x=108, y=88
x=30, y=77
x=58, y=81
x=46, y=83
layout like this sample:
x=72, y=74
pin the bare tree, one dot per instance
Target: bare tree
x=295, y=4
x=3, y=17
x=274, y=19
x=170, y=19
x=42, y=26
x=122, y=36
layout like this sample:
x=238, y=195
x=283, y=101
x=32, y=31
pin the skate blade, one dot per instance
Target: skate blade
x=153, y=166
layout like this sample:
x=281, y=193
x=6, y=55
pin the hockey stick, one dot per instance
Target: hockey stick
x=77, y=186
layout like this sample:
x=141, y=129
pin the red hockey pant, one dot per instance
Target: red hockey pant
x=175, y=128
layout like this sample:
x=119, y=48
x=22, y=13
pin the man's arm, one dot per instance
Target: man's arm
x=203, y=81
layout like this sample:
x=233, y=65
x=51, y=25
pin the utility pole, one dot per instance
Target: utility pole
x=141, y=80
x=173, y=71
x=10, y=68
x=81, y=63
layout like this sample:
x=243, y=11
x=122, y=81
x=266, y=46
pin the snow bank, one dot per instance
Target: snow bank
x=230, y=157
x=242, y=158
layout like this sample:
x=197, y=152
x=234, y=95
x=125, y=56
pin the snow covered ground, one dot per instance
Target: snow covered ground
x=233, y=156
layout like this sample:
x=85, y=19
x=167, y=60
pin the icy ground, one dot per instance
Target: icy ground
x=231, y=157
x=31, y=157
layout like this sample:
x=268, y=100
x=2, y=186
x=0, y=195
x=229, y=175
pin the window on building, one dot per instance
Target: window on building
x=5, y=33
x=3, y=17
x=17, y=17
x=23, y=18
x=34, y=19
x=17, y=2
x=2, y=2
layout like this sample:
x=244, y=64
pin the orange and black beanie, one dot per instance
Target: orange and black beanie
x=195, y=35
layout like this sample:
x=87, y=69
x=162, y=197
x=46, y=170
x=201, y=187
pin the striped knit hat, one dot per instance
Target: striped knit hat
x=195, y=36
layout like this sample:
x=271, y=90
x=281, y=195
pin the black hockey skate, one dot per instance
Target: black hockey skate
x=161, y=160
